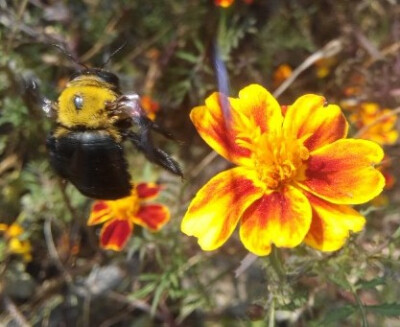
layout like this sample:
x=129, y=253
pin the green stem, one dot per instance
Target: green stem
x=276, y=263
x=271, y=315
x=222, y=26
x=360, y=306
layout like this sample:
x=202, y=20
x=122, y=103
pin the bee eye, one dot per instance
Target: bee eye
x=78, y=102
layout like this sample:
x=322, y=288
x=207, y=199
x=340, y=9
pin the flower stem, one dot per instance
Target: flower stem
x=271, y=313
x=276, y=263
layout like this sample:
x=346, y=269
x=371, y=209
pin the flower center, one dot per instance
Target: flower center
x=279, y=160
x=126, y=208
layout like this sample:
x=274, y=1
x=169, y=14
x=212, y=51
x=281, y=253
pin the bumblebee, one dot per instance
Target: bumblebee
x=93, y=120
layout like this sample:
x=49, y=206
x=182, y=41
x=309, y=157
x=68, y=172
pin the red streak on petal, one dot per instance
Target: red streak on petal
x=153, y=216
x=99, y=205
x=115, y=234
x=148, y=190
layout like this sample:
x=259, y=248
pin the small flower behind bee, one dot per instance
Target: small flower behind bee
x=296, y=174
x=149, y=106
x=15, y=242
x=120, y=216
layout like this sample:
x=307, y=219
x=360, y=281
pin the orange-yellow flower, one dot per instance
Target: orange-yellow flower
x=120, y=215
x=16, y=244
x=149, y=106
x=281, y=73
x=297, y=173
x=223, y=3
x=324, y=66
x=368, y=118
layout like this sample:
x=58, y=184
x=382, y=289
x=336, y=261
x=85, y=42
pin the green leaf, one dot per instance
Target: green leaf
x=143, y=292
x=187, y=56
x=339, y=314
x=368, y=284
x=386, y=309
x=157, y=296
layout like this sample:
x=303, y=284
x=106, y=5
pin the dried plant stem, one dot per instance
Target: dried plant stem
x=53, y=251
x=203, y=163
x=329, y=50
x=247, y=261
x=102, y=41
x=13, y=311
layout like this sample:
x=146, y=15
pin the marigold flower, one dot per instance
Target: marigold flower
x=297, y=173
x=324, y=66
x=281, y=73
x=223, y=3
x=15, y=243
x=367, y=118
x=149, y=106
x=120, y=215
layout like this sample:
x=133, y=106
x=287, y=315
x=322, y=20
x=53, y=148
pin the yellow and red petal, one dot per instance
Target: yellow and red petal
x=343, y=172
x=310, y=120
x=101, y=212
x=220, y=126
x=331, y=224
x=281, y=218
x=152, y=216
x=115, y=234
x=260, y=108
x=217, y=207
x=146, y=191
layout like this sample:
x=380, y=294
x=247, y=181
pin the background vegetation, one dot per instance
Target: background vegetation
x=345, y=50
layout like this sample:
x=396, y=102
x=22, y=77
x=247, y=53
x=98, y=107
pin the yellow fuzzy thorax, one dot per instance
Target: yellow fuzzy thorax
x=95, y=93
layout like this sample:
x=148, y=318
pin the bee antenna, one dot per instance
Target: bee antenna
x=69, y=55
x=114, y=53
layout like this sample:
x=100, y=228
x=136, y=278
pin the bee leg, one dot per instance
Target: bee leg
x=144, y=143
x=158, y=129
x=36, y=99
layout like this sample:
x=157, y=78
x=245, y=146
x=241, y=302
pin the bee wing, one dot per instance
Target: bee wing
x=129, y=105
x=36, y=99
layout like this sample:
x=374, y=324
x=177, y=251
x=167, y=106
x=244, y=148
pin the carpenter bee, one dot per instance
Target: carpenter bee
x=93, y=119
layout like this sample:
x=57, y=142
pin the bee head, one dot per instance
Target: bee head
x=104, y=75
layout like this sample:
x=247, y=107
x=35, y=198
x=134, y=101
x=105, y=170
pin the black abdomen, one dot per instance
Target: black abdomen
x=93, y=162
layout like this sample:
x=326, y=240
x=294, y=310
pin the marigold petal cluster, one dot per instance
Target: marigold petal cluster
x=376, y=124
x=295, y=178
x=120, y=216
x=150, y=106
x=228, y=3
x=223, y=3
x=16, y=243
